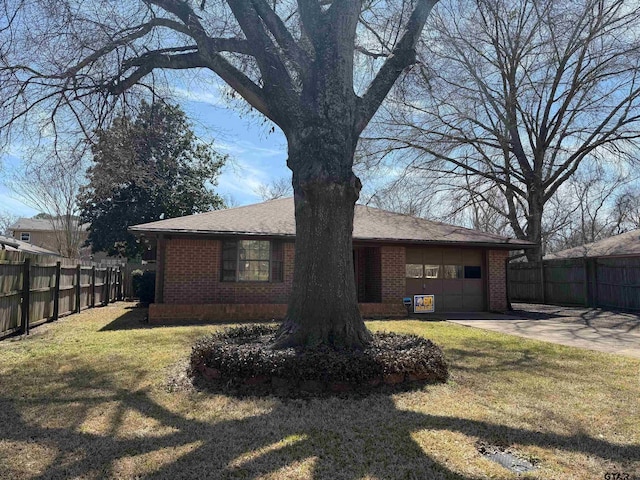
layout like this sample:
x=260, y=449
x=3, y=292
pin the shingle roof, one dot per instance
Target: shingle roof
x=625, y=244
x=276, y=218
x=38, y=224
x=15, y=245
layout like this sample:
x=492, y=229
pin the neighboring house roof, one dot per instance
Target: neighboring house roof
x=11, y=244
x=276, y=218
x=624, y=245
x=40, y=224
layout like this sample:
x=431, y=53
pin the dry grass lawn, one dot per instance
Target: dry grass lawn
x=88, y=397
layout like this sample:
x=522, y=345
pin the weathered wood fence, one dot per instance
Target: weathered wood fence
x=35, y=289
x=593, y=282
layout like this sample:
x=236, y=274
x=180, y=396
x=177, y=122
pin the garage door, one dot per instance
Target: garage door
x=454, y=276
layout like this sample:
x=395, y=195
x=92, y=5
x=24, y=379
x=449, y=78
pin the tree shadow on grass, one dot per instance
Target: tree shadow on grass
x=333, y=438
x=487, y=362
x=136, y=318
x=486, y=355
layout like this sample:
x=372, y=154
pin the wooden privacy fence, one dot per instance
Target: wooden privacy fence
x=591, y=282
x=38, y=289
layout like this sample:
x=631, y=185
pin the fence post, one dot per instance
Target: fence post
x=543, y=282
x=56, y=293
x=108, y=287
x=26, y=296
x=585, y=266
x=114, y=284
x=625, y=300
x=596, y=286
x=78, y=287
x=93, y=286
x=119, y=293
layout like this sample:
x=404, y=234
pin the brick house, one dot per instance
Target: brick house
x=237, y=264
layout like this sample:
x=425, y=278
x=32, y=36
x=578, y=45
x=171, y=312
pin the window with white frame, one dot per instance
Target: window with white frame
x=25, y=236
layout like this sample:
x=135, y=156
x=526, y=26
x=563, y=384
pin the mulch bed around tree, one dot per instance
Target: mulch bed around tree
x=241, y=361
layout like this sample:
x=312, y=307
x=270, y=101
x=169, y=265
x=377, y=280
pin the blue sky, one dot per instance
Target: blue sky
x=257, y=149
x=257, y=152
x=9, y=202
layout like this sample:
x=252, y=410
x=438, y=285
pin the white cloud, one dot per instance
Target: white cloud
x=250, y=170
x=246, y=149
x=241, y=187
x=229, y=148
x=245, y=186
x=211, y=97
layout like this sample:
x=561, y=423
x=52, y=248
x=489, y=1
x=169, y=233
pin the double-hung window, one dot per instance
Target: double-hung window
x=252, y=261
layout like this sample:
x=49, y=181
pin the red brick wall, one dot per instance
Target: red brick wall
x=192, y=276
x=165, y=313
x=371, y=310
x=361, y=270
x=497, y=280
x=393, y=272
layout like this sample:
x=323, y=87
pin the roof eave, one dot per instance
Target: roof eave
x=503, y=245
x=224, y=233
x=210, y=233
x=595, y=256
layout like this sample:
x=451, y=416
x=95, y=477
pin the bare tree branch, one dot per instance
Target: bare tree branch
x=402, y=56
x=525, y=94
x=282, y=35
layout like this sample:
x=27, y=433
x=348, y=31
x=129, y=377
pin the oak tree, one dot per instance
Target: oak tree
x=525, y=92
x=291, y=61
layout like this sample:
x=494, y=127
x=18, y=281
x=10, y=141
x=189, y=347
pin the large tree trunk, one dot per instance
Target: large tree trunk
x=323, y=307
x=534, y=226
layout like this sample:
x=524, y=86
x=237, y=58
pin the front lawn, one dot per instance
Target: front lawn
x=91, y=397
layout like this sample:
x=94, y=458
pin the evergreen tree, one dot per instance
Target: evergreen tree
x=146, y=169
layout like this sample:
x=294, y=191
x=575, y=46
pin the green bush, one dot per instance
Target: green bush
x=144, y=285
x=238, y=355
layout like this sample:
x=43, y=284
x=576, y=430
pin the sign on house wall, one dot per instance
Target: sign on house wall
x=423, y=304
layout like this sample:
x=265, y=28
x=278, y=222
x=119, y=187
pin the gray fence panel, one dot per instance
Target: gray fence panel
x=606, y=282
x=565, y=282
x=525, y=282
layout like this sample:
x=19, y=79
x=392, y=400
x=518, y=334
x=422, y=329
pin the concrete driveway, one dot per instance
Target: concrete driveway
x=593, y=329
